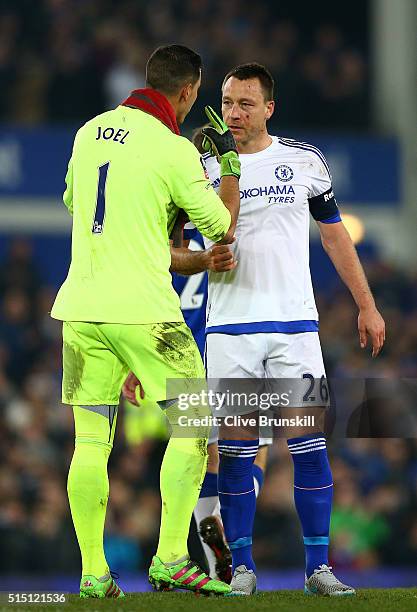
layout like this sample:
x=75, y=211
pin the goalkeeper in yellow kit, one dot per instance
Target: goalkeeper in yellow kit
x=129, y=174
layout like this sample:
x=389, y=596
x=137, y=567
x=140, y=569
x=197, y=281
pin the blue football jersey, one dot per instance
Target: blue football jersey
x=193, y=293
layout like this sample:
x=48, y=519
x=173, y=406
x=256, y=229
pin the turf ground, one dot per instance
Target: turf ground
x=288, y=601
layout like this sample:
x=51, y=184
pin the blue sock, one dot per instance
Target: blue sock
x=258, y=475
x=209, y=486
x=237, y=497
x=313, y=492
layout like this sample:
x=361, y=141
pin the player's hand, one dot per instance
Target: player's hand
x=219, y=141
x=220, y=258
x=371, y=323
x=129, y=389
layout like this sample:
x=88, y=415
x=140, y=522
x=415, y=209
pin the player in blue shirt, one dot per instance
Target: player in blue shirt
x=193, y=292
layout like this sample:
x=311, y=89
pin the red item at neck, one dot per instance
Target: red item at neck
x=154, y=103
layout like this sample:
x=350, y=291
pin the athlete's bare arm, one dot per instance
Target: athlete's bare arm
x=341, y=250
x=218, y=258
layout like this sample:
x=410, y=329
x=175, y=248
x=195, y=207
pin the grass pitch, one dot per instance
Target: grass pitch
x=367, y=600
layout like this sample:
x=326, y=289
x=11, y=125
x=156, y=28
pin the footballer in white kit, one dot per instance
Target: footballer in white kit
x=258, y=314
x=262, y=321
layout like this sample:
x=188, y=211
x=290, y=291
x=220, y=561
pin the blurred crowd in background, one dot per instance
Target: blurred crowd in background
x=52, y=50
x=63, y=61
x=375, y=505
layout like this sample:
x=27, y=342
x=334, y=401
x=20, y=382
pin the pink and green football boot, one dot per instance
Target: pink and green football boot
x=100, y=588
x=184, y=575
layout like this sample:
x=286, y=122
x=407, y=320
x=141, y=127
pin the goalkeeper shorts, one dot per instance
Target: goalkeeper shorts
x=98, y=356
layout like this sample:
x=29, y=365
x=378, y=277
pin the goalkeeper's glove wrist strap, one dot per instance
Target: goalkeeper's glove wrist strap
x=230, y=164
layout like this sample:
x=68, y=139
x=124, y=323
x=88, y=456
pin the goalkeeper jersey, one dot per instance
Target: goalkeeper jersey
x=126, y=179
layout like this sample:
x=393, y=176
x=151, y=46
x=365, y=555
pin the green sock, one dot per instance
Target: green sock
x=88, y=484
x=182, y=473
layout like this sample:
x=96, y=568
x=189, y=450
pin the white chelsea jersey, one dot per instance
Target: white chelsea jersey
x=270, y=290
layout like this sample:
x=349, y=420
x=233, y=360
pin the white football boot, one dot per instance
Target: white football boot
x=243, y=581
x=323, y=582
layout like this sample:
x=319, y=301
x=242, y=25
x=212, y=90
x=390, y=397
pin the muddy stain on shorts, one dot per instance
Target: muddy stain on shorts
x=73, y=370
x=201, y=445
x=175, y=346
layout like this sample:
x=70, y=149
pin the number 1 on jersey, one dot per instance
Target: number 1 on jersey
x=101, y=199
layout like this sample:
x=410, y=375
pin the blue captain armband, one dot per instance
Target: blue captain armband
x=324, y=207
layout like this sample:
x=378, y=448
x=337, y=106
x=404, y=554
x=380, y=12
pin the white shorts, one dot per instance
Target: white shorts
x=293, y=358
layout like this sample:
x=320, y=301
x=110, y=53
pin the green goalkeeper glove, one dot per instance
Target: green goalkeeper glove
x=219, y=141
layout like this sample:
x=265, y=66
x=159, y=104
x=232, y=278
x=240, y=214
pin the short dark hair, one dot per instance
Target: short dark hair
x=254, y=71
x=171, y=67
